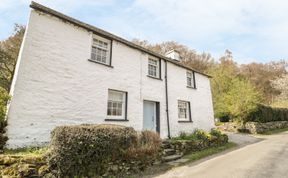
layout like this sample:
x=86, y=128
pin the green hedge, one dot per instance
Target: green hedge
x=267, y=114
x=4, y=98
x=3, y=137
x=97, y=150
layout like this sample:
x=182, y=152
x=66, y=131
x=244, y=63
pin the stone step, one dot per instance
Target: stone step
x=165, y=141
x=169, y=152
x=178, y=162
x=171, y=157
x=166, y=146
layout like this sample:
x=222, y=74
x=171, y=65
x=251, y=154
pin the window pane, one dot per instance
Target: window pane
x=116, y=96
x=150, y=70
x=190, y=80
x=153, y=62
x=93, y=56
x=114, y=104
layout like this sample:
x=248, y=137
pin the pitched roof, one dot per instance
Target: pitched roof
x=106, y=34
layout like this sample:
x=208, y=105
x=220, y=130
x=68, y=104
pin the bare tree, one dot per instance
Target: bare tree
x=9, y=50
x=201, y=62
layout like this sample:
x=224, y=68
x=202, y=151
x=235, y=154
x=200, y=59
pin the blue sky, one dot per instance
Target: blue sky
x=254, y=30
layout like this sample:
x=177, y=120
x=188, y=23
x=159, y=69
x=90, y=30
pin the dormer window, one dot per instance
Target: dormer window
x=154, y=67
x=101, y=50
x=190, y=79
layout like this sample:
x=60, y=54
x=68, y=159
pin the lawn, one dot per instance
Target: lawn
x=26, y=151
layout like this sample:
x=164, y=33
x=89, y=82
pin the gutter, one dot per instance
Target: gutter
x=167, y=106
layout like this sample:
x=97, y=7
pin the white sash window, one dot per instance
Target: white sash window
x=100, y=50
x=116, y=104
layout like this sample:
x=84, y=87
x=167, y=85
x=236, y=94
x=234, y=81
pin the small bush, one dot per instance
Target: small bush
x=201, y=135
x=91, y=150
x=216, y=132
x=183, y=135
x=4, y=98
x=224, y=117
x=220, y=137
x=267, y=114
x=204, y=137
x=145, y=152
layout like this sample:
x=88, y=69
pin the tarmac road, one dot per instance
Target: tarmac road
x=264, y=159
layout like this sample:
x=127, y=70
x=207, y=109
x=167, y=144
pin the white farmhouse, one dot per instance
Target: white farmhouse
x=69, y=72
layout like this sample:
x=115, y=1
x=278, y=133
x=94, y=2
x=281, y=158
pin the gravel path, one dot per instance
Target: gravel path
x=243, y=139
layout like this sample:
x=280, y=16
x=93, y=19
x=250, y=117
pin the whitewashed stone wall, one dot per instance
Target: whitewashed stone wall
x=57, y=85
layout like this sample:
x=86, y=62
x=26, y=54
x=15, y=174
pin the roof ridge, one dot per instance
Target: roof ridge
x=106, y=34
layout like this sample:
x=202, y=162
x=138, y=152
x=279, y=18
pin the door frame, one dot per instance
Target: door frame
x=157, y=105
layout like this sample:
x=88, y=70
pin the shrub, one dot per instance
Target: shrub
x=4, y=98
x=221, y=138
x=91, y=150
x=201, y=135
x=223, y=117
x=204, y=137
x=145, y=152
x=216, y=133
x=183, y=135
x=267, y=114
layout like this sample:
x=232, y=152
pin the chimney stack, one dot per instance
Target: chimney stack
x=173, y=54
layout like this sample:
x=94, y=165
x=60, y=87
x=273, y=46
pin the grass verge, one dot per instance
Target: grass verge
x=208, y=152
x=275, y=131
x=26, y=151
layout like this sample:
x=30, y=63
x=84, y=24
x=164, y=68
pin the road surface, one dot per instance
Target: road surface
x=264, y=159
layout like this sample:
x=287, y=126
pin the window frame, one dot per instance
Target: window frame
x=108, y=50
x=123, y=116
x=158, y=67
x=192, y=78
x=188, y=112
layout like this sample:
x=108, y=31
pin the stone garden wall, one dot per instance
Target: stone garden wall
x=184, y=147
x=22, y=166
x=256, y=127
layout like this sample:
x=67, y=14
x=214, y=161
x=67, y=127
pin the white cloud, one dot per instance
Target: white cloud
x=239, y=25
x=254, y=29
x=7, y=4
x=72, y=5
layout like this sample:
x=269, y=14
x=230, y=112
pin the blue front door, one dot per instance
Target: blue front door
x=149, y=115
